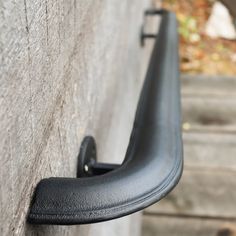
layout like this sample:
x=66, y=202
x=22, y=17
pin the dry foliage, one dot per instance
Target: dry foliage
x=200, y=53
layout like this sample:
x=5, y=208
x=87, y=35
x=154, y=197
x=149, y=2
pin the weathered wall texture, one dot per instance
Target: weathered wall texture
x=69, y=68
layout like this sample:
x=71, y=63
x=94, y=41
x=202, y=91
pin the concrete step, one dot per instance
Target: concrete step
x=210, y=151
x=203, y=85
x=174, y=226
x=203, y=193
x=209, y=103
x=209, y=114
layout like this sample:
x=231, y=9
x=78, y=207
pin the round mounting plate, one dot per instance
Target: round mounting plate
x=87, y=157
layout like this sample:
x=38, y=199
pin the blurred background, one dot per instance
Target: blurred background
x=204, y=201
x=207, y=35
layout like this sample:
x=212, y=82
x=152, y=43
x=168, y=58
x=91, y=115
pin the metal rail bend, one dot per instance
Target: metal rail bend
x=153, y=162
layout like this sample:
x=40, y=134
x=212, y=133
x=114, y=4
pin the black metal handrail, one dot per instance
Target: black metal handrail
x=153, y=162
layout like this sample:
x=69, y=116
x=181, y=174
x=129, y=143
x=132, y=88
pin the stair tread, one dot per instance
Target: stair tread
x=210, y=150
x=208, y=85
x=166, y=226
x=199, y=193
x=209, y=114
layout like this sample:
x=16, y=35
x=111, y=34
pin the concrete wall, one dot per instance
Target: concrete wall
x=68, y=68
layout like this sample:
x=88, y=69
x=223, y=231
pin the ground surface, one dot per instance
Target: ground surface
x=199, y=53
